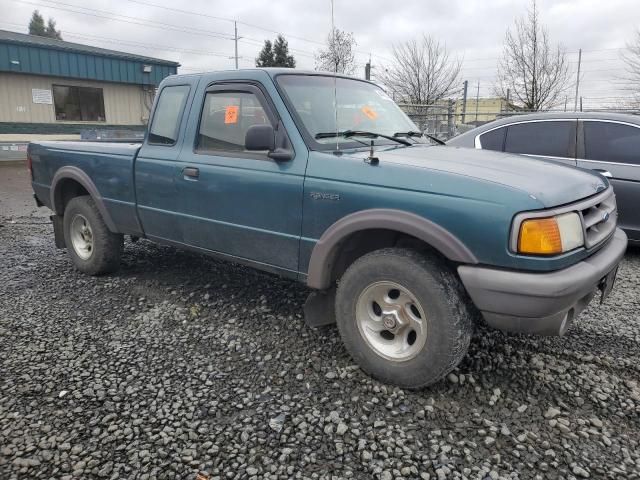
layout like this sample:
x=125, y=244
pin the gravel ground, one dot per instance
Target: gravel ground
x=180, y=364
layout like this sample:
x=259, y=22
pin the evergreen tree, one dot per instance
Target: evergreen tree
x=281, y=54
x=275, y=54
x=51, y=31
x=265, y=58
x=38, y=27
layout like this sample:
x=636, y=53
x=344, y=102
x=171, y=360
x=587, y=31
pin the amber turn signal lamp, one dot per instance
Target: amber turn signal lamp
x=540, y=236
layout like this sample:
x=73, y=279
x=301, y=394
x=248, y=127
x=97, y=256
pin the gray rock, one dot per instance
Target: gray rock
x=166, y=390
x=552, y=413
x=579, y=471
x=277, y=422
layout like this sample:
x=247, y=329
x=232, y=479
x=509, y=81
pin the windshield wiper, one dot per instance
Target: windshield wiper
x=411, y=133
x=361, y=133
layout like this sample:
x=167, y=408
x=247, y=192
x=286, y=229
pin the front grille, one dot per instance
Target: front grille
x=599, y=219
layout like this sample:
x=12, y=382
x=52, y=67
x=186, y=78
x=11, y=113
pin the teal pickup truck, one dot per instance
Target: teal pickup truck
x=323, y=179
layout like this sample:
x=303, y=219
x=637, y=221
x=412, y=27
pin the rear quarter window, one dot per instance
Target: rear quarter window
x=166, y=117
x=493, y=140
x=612, y=142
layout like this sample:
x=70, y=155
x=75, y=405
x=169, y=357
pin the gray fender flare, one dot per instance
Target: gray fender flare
x=74, y=173
x=326, y=249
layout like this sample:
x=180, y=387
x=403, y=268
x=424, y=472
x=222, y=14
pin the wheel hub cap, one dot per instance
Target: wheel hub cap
x=391, y=321
x=81, y=237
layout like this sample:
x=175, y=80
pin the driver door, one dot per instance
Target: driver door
x=235, y=202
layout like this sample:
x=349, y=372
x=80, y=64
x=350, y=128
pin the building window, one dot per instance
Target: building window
x=78, y=104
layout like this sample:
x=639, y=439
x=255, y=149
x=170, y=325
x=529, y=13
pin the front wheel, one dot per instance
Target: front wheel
x=93, y=248
x=404, y=316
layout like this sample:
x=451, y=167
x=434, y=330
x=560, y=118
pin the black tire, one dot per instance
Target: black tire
x=106, y=248
x=449, y=315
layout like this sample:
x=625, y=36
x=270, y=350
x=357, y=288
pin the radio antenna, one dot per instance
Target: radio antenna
x=335, y=75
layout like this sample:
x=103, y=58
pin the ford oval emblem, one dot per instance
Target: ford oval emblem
x=605, y=216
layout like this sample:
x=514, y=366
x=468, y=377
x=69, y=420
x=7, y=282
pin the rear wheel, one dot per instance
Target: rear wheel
x=94, y=249
x=404, y=316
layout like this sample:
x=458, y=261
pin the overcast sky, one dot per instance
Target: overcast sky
x=472, y=29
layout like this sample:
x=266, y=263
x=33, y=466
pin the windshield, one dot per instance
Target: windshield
x=362, y=106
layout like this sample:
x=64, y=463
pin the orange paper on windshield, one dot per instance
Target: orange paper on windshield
x=231, y=114
x=369, y=112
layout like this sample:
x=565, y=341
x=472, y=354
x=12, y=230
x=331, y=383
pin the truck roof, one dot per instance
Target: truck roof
x=273, y=71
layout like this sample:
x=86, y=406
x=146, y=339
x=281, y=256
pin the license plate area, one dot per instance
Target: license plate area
x=606, y=284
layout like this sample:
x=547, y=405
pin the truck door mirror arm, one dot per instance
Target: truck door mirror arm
x=280, y=155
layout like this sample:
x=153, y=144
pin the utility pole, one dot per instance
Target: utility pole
x=367, y=70
x=580, y=103
x=477, y=100
x=451, y=119
x=575, y=105
x=464, y=101
x=235, y=28
x=508, y=99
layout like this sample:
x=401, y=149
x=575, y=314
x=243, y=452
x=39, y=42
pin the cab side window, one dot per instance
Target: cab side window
x=166, y=118
x=612, y=142
x=549, y=139
x=226, y=117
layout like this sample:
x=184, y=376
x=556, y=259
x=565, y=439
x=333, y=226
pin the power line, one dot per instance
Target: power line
x=127, y=19
x=68, y=33
x=149, y=23
x=251, y=25
x=252, y=41
x=200, y=14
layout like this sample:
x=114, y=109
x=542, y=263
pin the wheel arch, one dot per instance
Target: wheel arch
x=327, y=250
x=70, y=182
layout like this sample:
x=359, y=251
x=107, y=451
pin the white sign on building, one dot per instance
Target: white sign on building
x=41, y=96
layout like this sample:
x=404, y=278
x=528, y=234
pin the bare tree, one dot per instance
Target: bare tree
x=339, y=56
x=422, y=72
x=631, y=57
x=535, y=72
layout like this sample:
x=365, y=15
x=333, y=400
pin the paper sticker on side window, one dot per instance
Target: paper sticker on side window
x=231, y=114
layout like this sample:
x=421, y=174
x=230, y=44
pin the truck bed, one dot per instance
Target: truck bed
x=109, y=166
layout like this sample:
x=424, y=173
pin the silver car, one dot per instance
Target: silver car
x=606, y=142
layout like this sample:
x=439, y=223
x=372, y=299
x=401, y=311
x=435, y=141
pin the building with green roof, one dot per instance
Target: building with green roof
x=53, y=86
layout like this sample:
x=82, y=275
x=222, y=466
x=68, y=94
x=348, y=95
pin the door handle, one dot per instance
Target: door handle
x=604, y=173
x=191, y=172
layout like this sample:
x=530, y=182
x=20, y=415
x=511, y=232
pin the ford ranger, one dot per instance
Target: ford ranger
x=323, y=179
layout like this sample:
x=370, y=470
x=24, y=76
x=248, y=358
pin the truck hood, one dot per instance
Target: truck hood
x=550, y=183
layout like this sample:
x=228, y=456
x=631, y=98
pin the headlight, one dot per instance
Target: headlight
x=550, y=235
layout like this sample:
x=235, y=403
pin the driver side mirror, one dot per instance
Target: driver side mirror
x=260, y=137
x=263, y=137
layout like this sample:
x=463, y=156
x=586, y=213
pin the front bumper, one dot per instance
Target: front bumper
x=541, y=303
